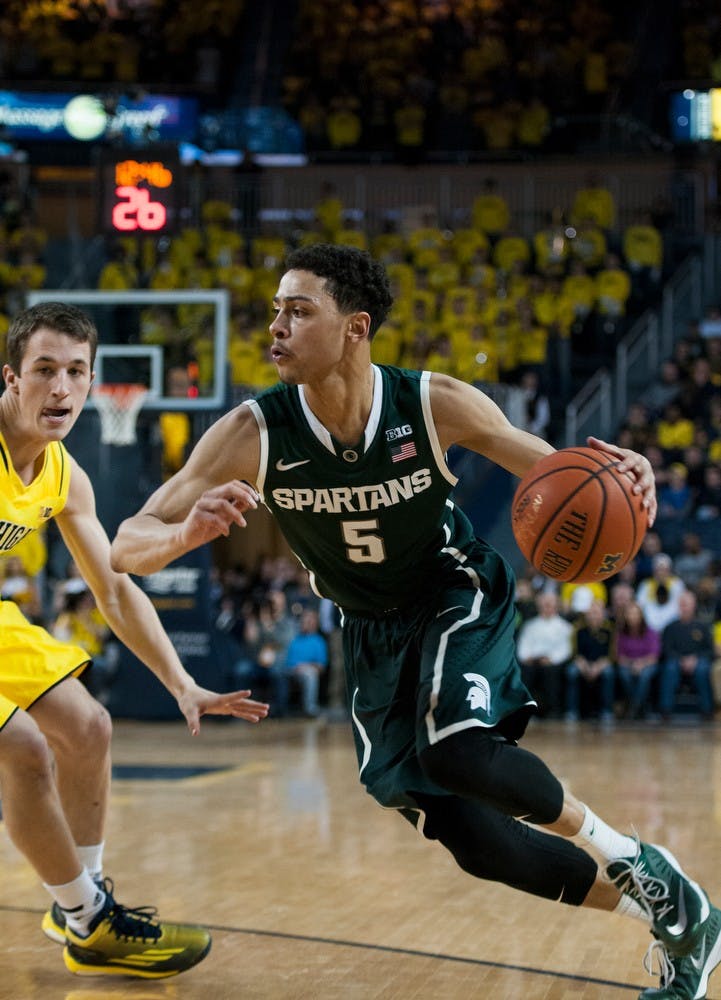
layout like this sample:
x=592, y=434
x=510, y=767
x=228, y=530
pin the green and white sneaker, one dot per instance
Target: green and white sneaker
x=676, y=906
x=685, y=977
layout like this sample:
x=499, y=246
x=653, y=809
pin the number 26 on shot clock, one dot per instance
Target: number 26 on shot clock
x=134, y=210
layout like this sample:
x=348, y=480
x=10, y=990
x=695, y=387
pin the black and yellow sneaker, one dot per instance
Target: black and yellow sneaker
x=132, y=942
x=53, y=924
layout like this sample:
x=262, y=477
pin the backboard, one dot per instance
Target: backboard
x=145, y=335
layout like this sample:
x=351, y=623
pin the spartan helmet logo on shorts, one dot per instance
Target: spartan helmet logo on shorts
x=479, y=693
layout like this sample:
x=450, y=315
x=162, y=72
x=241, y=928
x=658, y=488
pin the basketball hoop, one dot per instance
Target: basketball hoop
x=118, y=404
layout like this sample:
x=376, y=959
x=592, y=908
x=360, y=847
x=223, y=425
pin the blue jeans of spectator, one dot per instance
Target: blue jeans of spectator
x=671, y=680
x=308, y=678
x=637, y=688
x=602, y=688
x=271, y=681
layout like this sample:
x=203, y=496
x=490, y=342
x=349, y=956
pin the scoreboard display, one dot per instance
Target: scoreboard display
x=139, y=191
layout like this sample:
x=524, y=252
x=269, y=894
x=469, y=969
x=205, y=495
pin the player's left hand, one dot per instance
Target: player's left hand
x=639, y=467
x=197, y=701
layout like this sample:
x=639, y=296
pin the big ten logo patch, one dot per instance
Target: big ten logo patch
x=393, y=433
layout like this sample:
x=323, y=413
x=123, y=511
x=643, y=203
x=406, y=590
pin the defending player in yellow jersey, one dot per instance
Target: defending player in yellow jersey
x=54, y=737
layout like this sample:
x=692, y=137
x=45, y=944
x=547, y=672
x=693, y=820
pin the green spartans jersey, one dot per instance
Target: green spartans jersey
x=368, y=522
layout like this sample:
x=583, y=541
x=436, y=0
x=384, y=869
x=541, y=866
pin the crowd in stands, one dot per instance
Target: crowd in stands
x=472, y=75
x=120, y=43
x=647, y=644
x=482, y=302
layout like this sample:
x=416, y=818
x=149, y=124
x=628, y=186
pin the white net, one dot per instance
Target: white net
x=119, y=405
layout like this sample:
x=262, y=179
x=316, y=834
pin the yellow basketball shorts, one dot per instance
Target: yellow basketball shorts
x=31, y=661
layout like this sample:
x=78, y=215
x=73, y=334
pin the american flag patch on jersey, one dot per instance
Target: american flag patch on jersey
x=405, y=450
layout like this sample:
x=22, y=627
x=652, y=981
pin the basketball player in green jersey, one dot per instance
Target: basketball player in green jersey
x=349, y=457
x=54, y=737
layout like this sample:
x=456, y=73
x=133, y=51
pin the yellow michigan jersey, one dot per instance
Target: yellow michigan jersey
x=31, y=660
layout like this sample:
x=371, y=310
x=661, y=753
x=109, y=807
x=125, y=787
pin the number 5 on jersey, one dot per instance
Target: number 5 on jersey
x=364, y=543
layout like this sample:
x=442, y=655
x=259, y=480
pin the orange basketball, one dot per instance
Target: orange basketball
x=575, y=518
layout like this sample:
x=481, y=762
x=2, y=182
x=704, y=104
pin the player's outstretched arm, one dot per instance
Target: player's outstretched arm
x=466, y=416
x=131, y=615
x=199, y=503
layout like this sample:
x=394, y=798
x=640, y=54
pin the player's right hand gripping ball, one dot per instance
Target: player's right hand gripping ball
x=575, y=518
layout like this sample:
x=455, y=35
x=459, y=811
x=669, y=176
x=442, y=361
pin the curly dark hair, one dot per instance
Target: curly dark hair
x=355, y=281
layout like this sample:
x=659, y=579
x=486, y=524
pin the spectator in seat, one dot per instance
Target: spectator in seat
x=688, y=652
x=694, y=561
x=592, y=668
x=675, y=499
x=306, y=659
x=708, y=500
x=544, y=649
x=638, y=648
x=658, y=595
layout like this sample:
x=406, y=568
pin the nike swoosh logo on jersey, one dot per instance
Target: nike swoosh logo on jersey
x=678, y=928
x=283, y=466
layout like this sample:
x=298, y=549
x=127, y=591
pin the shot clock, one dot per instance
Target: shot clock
x=139, y=191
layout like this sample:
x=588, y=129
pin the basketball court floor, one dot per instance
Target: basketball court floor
x=313, y=892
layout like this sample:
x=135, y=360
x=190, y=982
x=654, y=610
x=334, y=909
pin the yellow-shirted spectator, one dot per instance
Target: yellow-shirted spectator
x=386, y=345
x=29, y=273
x=389, y=248
x=594, y=202
x=478, y=362
x=425, y=238
x=28, y=237
x=580, y=288
x=613, y=288
x=480, y=272
x=532, y=339
x=550, y=246
x=571, y=594
x=222, y=244
x=459, y=305
x=509, y=249
x=440, y=357
x=505, y=335
x=82, y=624
x=490, y=213
x=243, y=358
x=166, y=276
x=267, y=252
x=673, y=430
x=446, y=273
x=466, y=242
x=533, y=123
x=643, y=247
x=184, y=247
x=424, y=306
x=265, y=283
x=402, y=282
x=551, y=309
x=199, y=274
x=119, y=274
x=237, y=277
x=157, y=325
x=589, y=245
x=343, y=124
x=353, y=238
x=329, y=212
x=216, y=211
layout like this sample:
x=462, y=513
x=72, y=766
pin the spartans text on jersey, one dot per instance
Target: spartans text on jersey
x=353, y=499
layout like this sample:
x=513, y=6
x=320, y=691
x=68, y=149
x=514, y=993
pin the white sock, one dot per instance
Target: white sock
x=92, y=857
x=607, y=841
x=628, y=907
x=79, y=900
